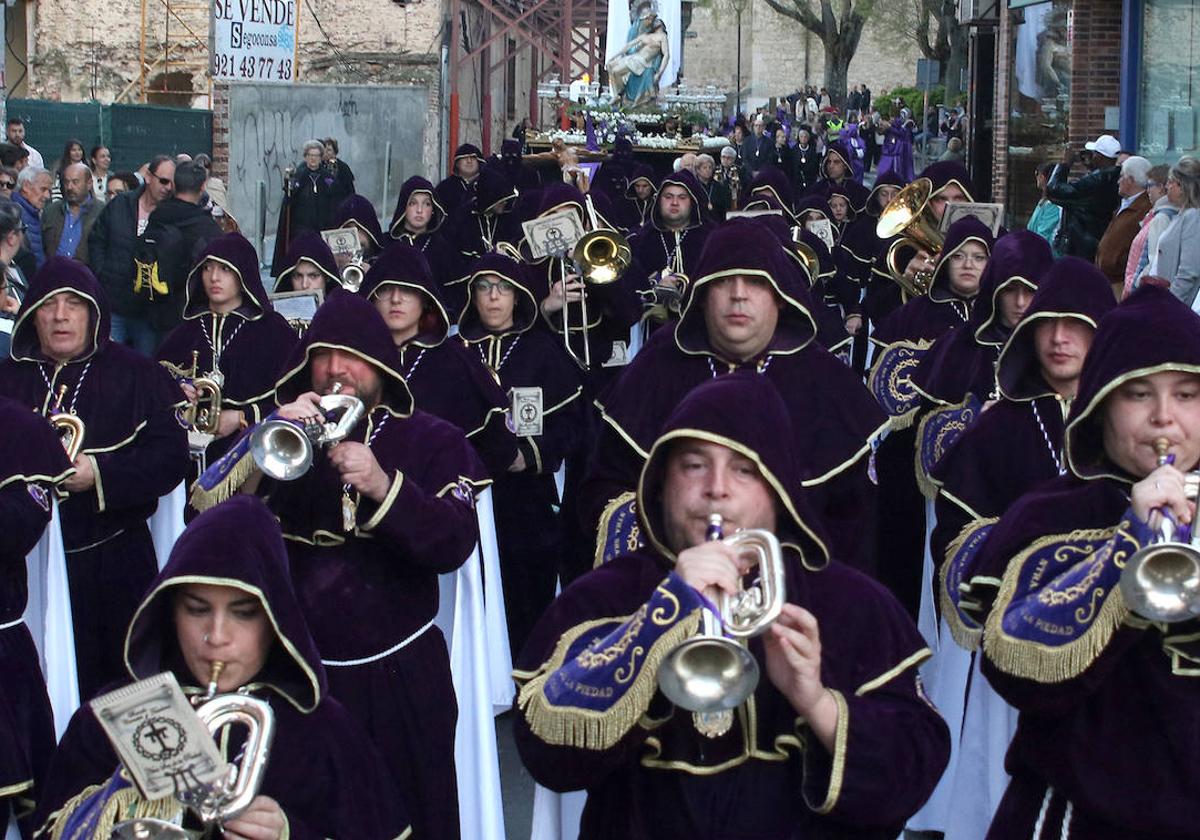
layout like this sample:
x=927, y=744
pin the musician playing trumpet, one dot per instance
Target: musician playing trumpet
x=224, y=607
x=835, y=738
x=233, y=338
x=1105, y=694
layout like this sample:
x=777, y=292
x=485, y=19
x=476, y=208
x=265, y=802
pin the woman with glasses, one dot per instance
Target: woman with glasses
x=8, y=181
x=543, y=386
x=445, y=379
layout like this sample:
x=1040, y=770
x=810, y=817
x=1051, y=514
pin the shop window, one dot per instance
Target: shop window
x=1039, y=99
x=1168, y=98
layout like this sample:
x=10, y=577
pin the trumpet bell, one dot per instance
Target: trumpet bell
x=281, y=450
x=352, y=277
x=603, y=256
x=910, y=214
x=148, y=829
x=708, y=674
x=1161, y=582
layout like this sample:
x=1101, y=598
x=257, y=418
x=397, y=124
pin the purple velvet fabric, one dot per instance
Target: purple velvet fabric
x=32, y=462
x=445, y=380
x=964, y=361
x=247, y=346
x=834, y=415
x=383, y=574
x=357, y=211
x=311, y=248
x=896, y=156
x=1128, y=686
x=138, y=450
x=453, y=191
x=323, y=770
x=529, y=525
x=666, y=779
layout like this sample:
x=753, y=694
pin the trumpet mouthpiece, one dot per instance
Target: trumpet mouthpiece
x=714, y=530
x=214, y=677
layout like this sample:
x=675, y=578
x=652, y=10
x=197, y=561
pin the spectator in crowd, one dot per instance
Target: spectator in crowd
x=33, y=191
x=16, y=157
x=100, y=160
x=954, y=150
x=72, y=153
x=8, y=181
x=717, y=197
x=112, y=245
x=343, y=176
x=1090, y=201
x=1047, y=215
x=1113, y=251
x=1176, y=261
x=214, y=187
x=1162, y=212
x=13, y=284
x=759, y=146
x=120, y=182
x=14, y=132
x=181, y=227
x=806, y=161
x=67, y=221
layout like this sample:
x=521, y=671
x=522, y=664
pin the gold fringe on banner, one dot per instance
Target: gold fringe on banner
x=203, y=499
x=598, y=730
x=125, y=804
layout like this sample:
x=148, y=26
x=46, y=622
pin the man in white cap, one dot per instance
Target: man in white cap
x=1090, y=201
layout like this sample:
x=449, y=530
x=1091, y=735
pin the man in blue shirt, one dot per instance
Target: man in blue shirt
x=67, y=222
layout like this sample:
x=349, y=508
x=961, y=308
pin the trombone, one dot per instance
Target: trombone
x=601, y=257
x=713, y=673
x=910, y=216
x=1161, y=581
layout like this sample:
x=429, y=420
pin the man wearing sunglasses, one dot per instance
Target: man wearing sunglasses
x=112, y=244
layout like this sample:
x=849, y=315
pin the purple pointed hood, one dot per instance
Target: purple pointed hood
x=416, y=184
x=358, y=211
x=237, y=544
x=1150, y=331
x=761, y=430
x=402, y=265
x=946, y=172
x=1018, y=258
x=772, y=180
x=747, y=247
x=235, y=252
x=525, y=307
x=493, y=189
x=688, y=181
x=641, y=172
x=310, y=247
x=891, y=178
x=350, y=323
x=965, y=230
x=838, y=149
x=60, y=274
x=1072, y=288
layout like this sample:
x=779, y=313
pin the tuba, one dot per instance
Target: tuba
x=601, y=256
x=227, y=799
x=1161, y=581
x=69, y=426
x=713, y=673
x=283, y=449
x=910, y=216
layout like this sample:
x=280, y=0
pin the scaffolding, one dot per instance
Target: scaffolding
x=173, y=50
x=566, y=39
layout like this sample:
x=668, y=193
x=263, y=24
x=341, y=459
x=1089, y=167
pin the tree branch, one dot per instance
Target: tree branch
x=799, y=11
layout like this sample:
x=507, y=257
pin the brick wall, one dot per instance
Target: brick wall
x=1095, y=80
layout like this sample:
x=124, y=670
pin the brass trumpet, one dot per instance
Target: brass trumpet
x=1161, y=581
x=601, y=257
x=227, y=799
x=713, y=673
x=909, y=214
x=284, y=450
x=70, y=427
x=202, y=415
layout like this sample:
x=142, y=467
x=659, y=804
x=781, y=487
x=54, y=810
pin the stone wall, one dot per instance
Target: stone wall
x=779, y=55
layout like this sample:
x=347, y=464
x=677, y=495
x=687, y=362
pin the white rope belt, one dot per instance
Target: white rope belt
x=12, y=624
x=403, y=643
